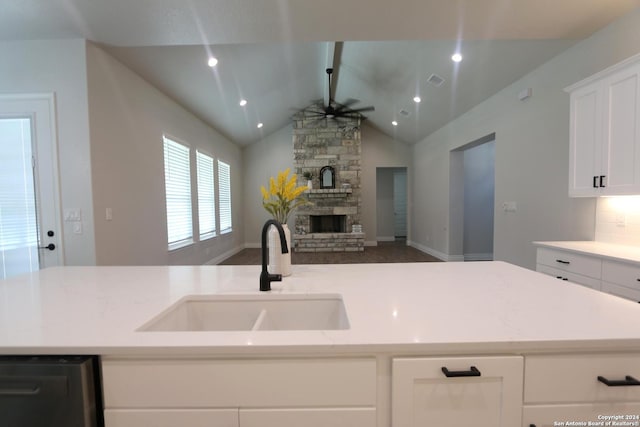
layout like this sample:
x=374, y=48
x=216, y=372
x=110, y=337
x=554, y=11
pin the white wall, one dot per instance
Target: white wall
x=275, y=152
x=58, y=66
x=261, y=161
x=128, y=118
x=532, y=154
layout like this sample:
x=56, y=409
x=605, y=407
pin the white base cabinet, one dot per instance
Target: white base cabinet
x=562, y=388
x=478, y=391
x=613, y=277
x=240, y=393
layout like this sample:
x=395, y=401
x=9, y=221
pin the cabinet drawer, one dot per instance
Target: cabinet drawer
x=570, y=277
x=320, y=417
x=236, y=383
x=171, y=417
x=621, y=291
x=570, y=262
x=551, y=415
x=567, y=379
x=627, y=275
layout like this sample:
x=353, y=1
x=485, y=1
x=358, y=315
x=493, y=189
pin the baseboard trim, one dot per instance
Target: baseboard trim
x=386, y=239
x=222, y=257
x=479, y=257
x=430, y=251
x=371, y=243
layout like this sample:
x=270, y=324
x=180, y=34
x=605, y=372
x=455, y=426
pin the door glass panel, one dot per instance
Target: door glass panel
x=18, y=220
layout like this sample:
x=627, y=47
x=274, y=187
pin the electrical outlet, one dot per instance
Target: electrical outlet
x=509, y=207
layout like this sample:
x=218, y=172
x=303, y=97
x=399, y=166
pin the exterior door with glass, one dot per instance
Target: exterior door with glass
x=30, y=228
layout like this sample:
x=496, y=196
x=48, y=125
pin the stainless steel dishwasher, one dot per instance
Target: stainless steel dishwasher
x=50, y=391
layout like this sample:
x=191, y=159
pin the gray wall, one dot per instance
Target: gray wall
x=532, y=154
x=275, y=152
x=479, y=189
x=59, y=67
x=128, y=117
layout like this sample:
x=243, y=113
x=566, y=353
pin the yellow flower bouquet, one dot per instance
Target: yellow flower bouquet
x=283, y=196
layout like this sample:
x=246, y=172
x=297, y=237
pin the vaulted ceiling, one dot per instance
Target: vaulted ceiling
x=274, y=53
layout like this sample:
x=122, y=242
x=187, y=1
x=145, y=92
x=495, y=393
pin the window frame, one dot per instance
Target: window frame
x=211, y=233
x=186, y=241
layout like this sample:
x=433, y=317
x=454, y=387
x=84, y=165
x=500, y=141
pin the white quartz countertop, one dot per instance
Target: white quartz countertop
x=427, y=308
x=625, y=253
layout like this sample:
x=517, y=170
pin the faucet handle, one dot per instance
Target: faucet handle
x=275, y=277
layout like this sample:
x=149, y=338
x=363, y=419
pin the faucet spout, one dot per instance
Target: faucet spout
x=265, y=277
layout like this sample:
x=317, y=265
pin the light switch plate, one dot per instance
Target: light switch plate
x=72, y=215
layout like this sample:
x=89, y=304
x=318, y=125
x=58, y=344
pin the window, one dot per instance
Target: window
x=177, y=177
x=224, y=194
x=206, y=200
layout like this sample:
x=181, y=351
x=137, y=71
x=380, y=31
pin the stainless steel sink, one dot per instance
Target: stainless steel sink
x=252, y=313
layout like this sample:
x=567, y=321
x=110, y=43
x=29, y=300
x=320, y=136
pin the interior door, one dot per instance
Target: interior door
x=400, y=203
x=29, y=200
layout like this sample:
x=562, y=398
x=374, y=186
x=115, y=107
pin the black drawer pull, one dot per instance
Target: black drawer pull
x=472, y=372
x=627, y=381
x=563, y=262
x=602, y=181
x=595, y=182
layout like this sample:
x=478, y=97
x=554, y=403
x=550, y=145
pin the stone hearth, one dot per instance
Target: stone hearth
x=326, y=142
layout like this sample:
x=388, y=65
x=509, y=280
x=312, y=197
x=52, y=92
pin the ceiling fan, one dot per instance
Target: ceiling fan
x=335, y=110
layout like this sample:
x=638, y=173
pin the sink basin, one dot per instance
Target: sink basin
x=252, y=313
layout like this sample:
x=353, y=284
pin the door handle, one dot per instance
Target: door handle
x=50, y=246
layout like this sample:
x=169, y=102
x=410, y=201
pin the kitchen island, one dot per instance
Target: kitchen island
x=523, y=348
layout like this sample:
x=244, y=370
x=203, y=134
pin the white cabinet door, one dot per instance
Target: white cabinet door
x=586, y=140
x=171, y=418
x=621, y=148
x=605, y=135
x=556, y=415
x=422, y=395
x=312, y=417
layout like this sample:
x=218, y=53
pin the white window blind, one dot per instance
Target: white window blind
x=206, y=200
x=177, y=178
x=224, y=195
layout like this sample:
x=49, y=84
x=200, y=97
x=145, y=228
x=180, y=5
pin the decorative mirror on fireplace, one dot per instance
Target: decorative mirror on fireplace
x=327, y=177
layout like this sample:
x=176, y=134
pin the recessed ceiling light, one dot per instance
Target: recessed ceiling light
x=243, y=102
x=417, y=99
x=260, y=125
x=456, y=57
x=394, y=123
x=212, y=62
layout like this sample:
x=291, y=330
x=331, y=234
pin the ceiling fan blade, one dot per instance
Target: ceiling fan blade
x=347, y=104
x=363, y=109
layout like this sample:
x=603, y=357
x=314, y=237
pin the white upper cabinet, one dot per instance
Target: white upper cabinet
x=605, y=132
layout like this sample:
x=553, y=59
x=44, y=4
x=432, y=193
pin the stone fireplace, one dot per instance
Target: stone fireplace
x=327, y=225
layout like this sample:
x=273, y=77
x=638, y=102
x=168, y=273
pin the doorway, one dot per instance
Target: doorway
x=472, y=200
x=29, y=199
x=391, y=203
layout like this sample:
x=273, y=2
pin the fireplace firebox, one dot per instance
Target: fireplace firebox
x=328, y=223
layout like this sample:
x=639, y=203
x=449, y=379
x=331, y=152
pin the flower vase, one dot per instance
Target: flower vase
x=279, y=263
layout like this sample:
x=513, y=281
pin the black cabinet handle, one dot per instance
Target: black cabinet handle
x=472, y=372
x=595, y=182
x=602, y=177
x=563, y=262
x=627, y=381
x=50, y=246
